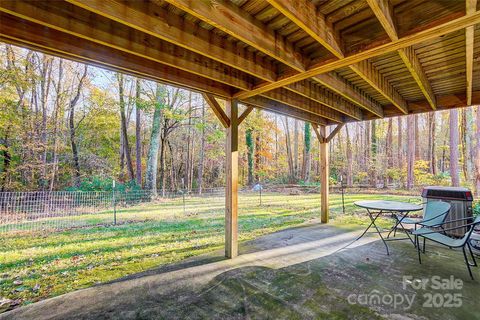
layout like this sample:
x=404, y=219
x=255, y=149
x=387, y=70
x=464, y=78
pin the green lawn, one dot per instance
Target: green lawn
x=35, y=266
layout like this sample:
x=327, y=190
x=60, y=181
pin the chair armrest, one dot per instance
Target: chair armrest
x=421, y=222
x=450, y=229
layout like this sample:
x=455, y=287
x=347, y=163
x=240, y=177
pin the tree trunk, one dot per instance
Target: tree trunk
x=123, y=122
x=464, y=146
x=431, y=143
x=71, y=122
x=295, y=149
x=477, y=156
x=388, y=151
x=250, y=150
x=349, y=159
x=307, y=137
x=202, y=152
x=454, y=147
x=417, y=139
x=56, y=124
x=400, y=143
x=291, y=172
x=138, y=138
x=152, y=157
x=374, y=146
x=410, y=150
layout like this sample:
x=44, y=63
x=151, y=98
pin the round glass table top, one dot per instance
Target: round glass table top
x=386, y=205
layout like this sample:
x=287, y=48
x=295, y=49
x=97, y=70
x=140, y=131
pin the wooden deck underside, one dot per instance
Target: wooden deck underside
x=325, y=62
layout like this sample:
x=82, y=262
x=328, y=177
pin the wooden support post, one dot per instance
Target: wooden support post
x=231, y=194
x=324, y=175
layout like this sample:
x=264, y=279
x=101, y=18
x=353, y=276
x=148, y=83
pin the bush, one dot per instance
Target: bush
x=476, y=208
x=97, y=183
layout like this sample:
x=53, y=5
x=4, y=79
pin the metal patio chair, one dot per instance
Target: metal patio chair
x=434, y=216
x=441, y=238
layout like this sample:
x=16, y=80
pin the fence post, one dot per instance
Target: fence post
x=114, y=203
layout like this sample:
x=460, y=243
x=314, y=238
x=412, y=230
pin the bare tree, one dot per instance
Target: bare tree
x=410, y=150
x=454, y=147
x=72, y=126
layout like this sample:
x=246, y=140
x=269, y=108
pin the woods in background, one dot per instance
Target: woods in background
x=64, y=125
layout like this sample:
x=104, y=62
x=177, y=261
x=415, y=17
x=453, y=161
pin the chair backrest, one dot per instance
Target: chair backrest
x=436, y=212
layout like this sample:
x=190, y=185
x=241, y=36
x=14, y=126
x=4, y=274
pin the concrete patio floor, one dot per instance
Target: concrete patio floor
x=298, y=273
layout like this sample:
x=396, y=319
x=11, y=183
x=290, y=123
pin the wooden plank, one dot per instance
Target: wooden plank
x=163, y=24
x=305, y=15
x=340, y=86
x=245, y=114
x=413, y=64
x=328, y=65
x=317, y=133
x=239, y=24
x=334, y=132
x=324, y=177
x=383, y=11
x=27, y=34
x=54, y=15
x=217, y=110
x=283, y=109
x=299, y=102
x=374, y=78
x=231, y=192
x=471, y=6
x=325, y=97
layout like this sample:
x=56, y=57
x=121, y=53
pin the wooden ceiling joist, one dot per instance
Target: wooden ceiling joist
x=471, y=6
x=404, y=42
x=165, y=25
x=27, y=34
x=131, y=41
x=383, y=11
x=299, y=102
x=283, y=109
x=233, y=21
x=306, y=16
x=307, y=62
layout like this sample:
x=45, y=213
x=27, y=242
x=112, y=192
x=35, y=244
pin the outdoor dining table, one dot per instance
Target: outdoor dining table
x=398, y=210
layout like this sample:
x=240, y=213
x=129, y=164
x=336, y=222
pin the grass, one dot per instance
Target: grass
x=39, y=265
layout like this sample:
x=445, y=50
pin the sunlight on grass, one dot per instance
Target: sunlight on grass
x=35, y=266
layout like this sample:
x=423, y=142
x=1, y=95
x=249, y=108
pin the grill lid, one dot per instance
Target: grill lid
x=450, y=193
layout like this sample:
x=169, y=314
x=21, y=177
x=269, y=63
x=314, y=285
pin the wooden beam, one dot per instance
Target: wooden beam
x=383, y=12
x=373, y=77
x=340, y=86
x=334, y=132
x=27, y=34
x=324, y=177
x=305, y=15
x=61, y=16
x=231, y=192
x=283, y=109
x=328, y=65
x=413, y=65
x=299, y=102
x=239, y=24
x=471, y=6
x=309, y=90
x=245, y=114
x=163, y=24
x=320, y=138
x=217, y=110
